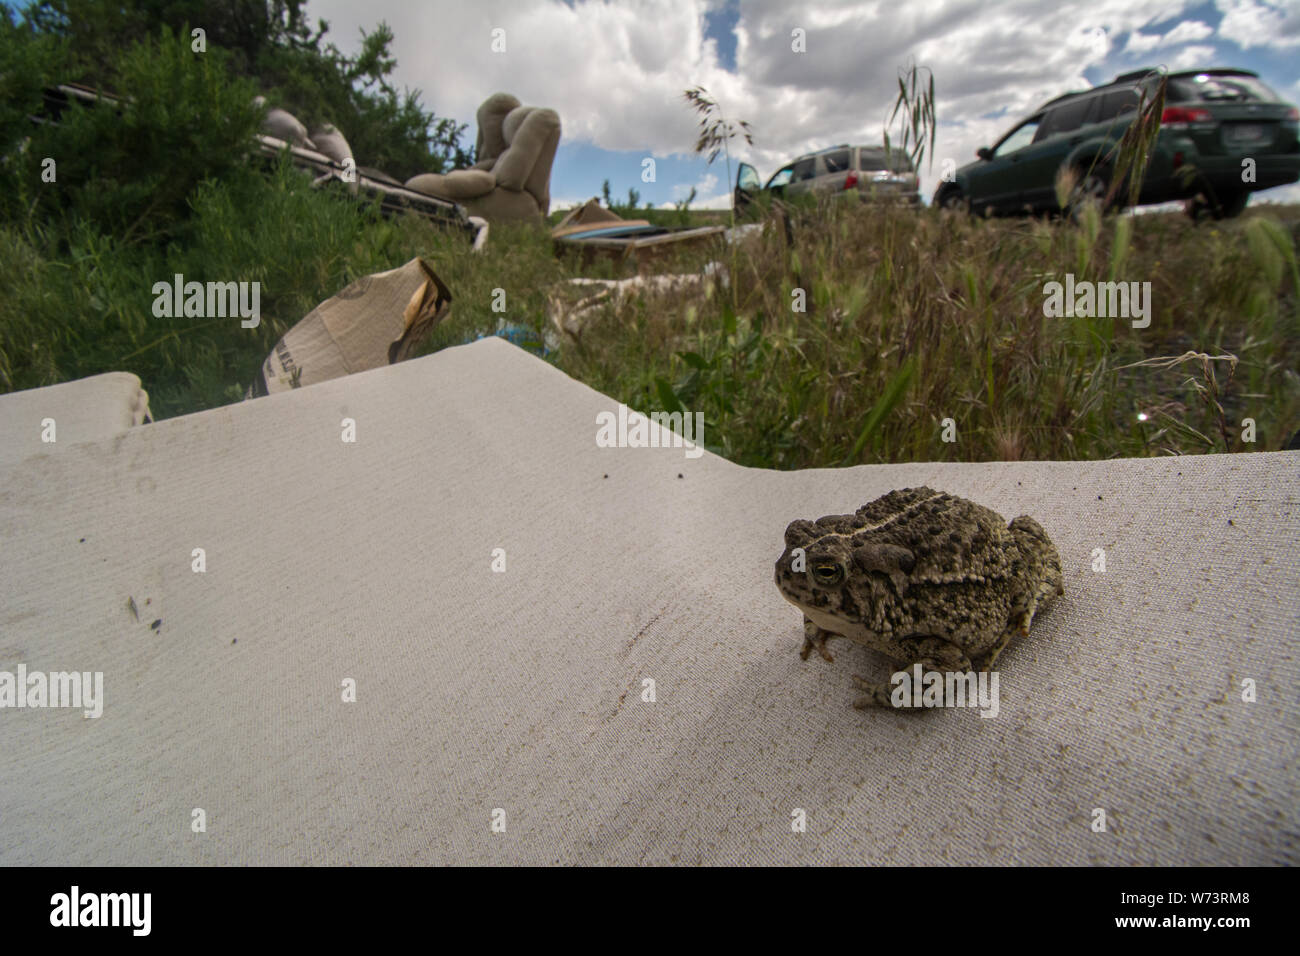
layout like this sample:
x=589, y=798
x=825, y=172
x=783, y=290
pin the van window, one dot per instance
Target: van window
x=780, y=177
x=804, y=169
x=836, y=162
x=873, y=160
x=1066, y=118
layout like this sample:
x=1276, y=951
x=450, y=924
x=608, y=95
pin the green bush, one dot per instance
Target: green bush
x=167, y=181
x=271, y=44
x=29, y=61
x=130, y=171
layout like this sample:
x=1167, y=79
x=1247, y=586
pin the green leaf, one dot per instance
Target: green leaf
x=1119, y=245
x=666, y=396
x=694, y=360
x=930, y=117
x=892, y=395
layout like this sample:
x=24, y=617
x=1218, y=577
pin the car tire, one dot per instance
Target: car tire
x=1090, y=187
x=1228, y=206
x=954, y=199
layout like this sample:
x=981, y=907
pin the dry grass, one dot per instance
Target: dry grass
x=913, y=318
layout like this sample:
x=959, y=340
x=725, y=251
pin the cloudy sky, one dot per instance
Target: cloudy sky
x=615, y=70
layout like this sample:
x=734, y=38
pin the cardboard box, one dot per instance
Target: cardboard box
x=377, y=320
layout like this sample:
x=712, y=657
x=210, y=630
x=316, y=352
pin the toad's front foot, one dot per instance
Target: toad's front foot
x=876, y=694
x=906, y=684
x=815, y=637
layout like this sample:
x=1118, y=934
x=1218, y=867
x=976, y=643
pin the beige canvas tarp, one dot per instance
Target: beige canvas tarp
x=524, y=690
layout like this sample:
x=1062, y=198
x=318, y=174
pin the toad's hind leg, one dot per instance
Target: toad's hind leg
x=932, y=653
x=815, y=637
x=1019, y=627
x=1023, y=609
x=1021, y=618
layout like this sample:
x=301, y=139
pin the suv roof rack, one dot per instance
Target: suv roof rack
x=1221, y=71
x=1135, y=75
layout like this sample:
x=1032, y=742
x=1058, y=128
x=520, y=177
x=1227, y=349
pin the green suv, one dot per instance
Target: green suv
x=1223, y=135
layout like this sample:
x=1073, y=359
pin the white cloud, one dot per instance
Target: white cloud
x=615, y=71
x=1191, y=57
x=710, y=193
x=1139, y=42
x=561, y=204
x=1186, y=32
x=705, y=187
x=1251, y=23
x=716, y=201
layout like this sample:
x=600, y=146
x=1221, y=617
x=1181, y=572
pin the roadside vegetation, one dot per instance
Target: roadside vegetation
x=910, y=317
x=915, y=318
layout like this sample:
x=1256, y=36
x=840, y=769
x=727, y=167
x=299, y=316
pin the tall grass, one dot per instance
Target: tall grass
x=914, y=318
x=75, y=301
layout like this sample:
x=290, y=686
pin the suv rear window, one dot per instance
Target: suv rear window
x=1207, y=88
x=873, y=160
x=836, y=162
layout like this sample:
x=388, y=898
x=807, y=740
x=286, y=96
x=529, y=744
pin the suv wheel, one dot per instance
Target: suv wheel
x=1089, y=187
x=1229, y=206
x=953, y=198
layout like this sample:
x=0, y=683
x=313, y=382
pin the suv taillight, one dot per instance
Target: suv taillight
x=1293, y=114
x=1184, y=114
x=850, y=180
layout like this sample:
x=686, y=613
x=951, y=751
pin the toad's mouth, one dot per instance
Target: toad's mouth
x=826, y=621
x=819, y=615
x=845, y=626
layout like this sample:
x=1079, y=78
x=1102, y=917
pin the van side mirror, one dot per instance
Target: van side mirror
x=984, y=153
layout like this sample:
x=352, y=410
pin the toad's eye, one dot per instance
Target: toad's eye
x=827, y=574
